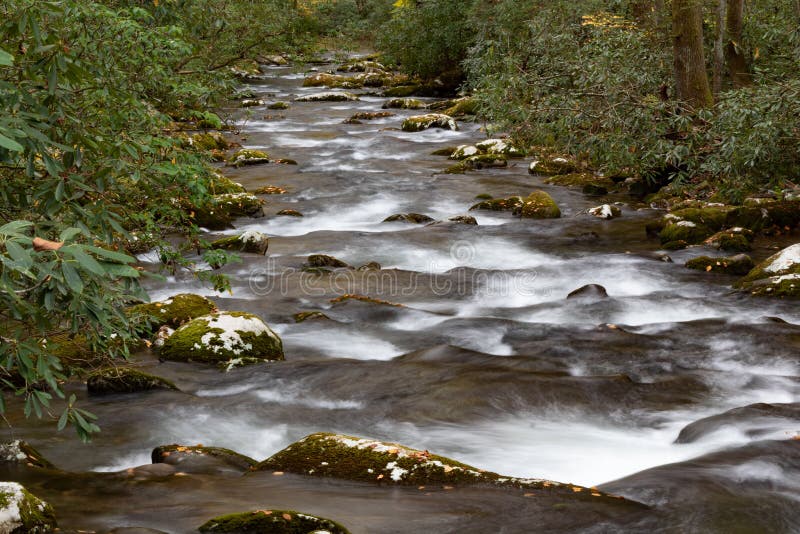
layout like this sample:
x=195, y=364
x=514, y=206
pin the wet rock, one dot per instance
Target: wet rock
x=251, y=103
x=404, y=103
x=22, y=512
x=500, y=204
x=594, y=291
x=251, y=242
x=309, y=316
x=239, y=205
x=593, y=190
x=740, y=264
x=290, y=213
x=478, y=162
x=358, y=65
x=758, y=419
x=124, y=380
x=328, y=97
x=199, y=459
x=270, y=190
x=371, y=266
x=446, y=151
x=539, y=205
x=325, y=261
x=325, y=79
x=222, y=185
x=419, y=123
x=272, y=521
x=414, y=218
x=278, y=105
x=551, y=166
x=606, y=211
x=732, y=240
x=680, y=234
x=275, y=59
x=367, y=460
x=461, y=107
x=235, y=338
x=175, y=311
x=582, y=180
x=356, y=118
x=402, y=91
x=209, y=141
x=463, y=219
x=713, y=216
x=247, y=156
x=22, y=453
x=784, y=263
x=148, y=472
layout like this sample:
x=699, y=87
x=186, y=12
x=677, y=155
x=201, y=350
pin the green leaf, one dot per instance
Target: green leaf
x=6, y=59
x=68, y=234
x=111, y=254
x=62, y=421
x=10, y=144
x=84, y=260
x=14, y=227
x=72, y=277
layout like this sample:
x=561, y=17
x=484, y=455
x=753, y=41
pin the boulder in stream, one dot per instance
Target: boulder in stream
x=230, y=338
x=500, y=204
x=200, y=459
x=124, y=380
x=273, y=522
x=414, y=218
x=330, y=96
x=248, y=156
x=735, y=239
x=324, y=261
x=174, y=311
x=539, y=205
x=419, y=123
x=404, y=103
x=22, y=512
x=680, y=234
x=251, y=241
x=740, y=264
x=22, y=453
x=777, y=276
x=551, y=166
x=606, y=211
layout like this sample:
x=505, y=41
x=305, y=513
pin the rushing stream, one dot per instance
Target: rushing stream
x=487, y=361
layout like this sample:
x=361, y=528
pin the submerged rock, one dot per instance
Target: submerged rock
x=272, y=522
x=414, y=218
x=539, y=205
x=328, y=97
x=22, y=453
x=404, y=103
x=124, y=380
x=199, y=459
x=235, y=338
x=759, y=419
x=419, y=123
x=22, y=512
x=278, y=105
x=606, y=211
x=175, y=311
x=251, y=241
x=740, y=264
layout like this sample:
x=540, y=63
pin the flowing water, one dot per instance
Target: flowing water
x=486, y=362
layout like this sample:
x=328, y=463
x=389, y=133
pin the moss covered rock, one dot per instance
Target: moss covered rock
x=251, y=103
x=500, y=204
x=239, y=204
x=175, y=311
x=539, y=205
x=270, y=190
x=419, y=123
x=290, y=213
x=462, y=107
x=278, y=105
x=22, y=512
x=786, y=286
x=222, y=185
x=414, y=218
x=272, y=522
x=223, y=337
x=368, y=116
x=309, y=316
x=402, y=91
x=251, y=242
x=317, y=261
x=330, y=96
x=679, y=234
x=500, y=147
x=580, y=179
x=198, y=458
x=463, y=219
x=712, y=216
x=124, y=380
x=22, y=453
x=209, y=141
x=405, y=103
x=785, y=262
x=606, y=211
x=248, y=156
x=740, y=264
x=551, y=166
x=325, y=79
x=361, y=65
x=732, y=240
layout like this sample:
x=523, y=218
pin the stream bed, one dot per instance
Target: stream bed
x=486, y=361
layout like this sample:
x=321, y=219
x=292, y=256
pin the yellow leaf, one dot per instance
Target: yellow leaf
x=708, y=268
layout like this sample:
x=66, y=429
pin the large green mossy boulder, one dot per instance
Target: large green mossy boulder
x=248, y=156
x=539, y=205
x=489, y=147
x=22, y=453
x=680, y=234
x=731, y=240
x=372, y=461
x=175, y=311
x=234, y=338
x=500, y=204
x=328, y=97
x=272, y=522
x=419, y=123
x=462, y=107
x=251, y=242
x=22, y=512
x=240, y=204
x=778, y=275
x=124, y=380
x=404, y=103
x=551, y=166
x=740, y=264
x=325, y=79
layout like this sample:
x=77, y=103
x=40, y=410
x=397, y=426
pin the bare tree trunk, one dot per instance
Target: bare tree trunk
x=719, y=46
x=689, y=59
x=737, y=62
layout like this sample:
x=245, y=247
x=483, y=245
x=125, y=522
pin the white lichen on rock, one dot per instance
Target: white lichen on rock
x=20, y=511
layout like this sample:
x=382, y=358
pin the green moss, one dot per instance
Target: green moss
x=403, y=91
x=782, y=263
x=688, y=232
x=250, y=242
x=500, y=204
x=370, y=115
x=740, y=264
x=223, y=337
x=463, y=106
x=405, y=103
x=713, y=217
x=210, y=141
x=580, y=179
x=247, y=156
x=733, y=240
x=21, y=452
x=33, y=516
x=222, y=185
x=325, y=261
x=210, y=121
x=414, y=218
x=124, y=380
x=540, y=205
x=325, y=79
x=328, y=97
x=239, y=204
x=161, y=453
x=752, y=218
x=173, y=312
x=431, y=120
x=290, y=213
x=308, y=316
x=272, y=522
x=484, y=196
x=552, y=166
x=278, y=105
x=787, y=286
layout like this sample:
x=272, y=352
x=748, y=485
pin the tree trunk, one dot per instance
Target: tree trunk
x=719, y=46
x=689, y=59
x=737, y=62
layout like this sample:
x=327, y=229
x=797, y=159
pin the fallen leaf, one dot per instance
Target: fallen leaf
x=287, y=517
x=528, y=494
x=277, y=473
x=708, y=268
x=40, y=244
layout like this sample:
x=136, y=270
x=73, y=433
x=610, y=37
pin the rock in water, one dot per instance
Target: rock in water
x=740, y=264
x=589, y=291
x=22, y=453
x=234, y=338
x=124, y=380
x=273, y=522
x=199, y=459
x=175, y=311
x=540, y=205
x=777, y=276
x=431, y=120
x=251, y=241
x=21, y=512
